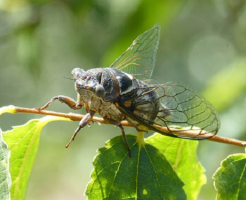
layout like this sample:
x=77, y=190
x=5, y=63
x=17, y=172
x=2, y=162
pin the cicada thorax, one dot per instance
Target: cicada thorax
x=115, y=84
x=140, y=103
x=132, y=95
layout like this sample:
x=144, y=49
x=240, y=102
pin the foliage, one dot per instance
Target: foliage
x=22, y=143
x=182, y=156
x=5, y=180
x=230, y=178
x=147, y=175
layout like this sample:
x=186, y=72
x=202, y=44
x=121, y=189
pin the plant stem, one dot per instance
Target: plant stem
x=77, y=117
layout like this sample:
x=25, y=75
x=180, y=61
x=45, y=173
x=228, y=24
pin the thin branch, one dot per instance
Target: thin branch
x=77, y=117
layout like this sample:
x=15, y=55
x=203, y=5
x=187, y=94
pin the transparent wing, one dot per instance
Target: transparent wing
x=139, y=58
x=175, y=110
x=185, y=113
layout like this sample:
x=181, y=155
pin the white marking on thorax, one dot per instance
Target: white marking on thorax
x=129, y=76
x=129, y=88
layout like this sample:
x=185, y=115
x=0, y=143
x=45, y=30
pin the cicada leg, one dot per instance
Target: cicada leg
x=84, y=121
x=67, y=100
x=116, y=123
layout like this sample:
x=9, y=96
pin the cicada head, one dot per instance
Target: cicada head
x=88, y=81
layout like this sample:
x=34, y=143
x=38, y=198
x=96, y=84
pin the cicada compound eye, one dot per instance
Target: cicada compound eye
x=99, y=91
x=77, y=73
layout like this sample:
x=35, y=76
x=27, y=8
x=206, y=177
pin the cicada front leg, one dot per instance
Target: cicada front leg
x=75, y=105
x=84, y=121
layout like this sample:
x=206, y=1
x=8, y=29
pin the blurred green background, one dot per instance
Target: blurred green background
x=203, y=44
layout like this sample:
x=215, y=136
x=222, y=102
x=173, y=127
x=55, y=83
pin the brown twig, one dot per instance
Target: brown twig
x=77, y=117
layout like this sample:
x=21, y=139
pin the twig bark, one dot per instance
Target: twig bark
x=77, y=117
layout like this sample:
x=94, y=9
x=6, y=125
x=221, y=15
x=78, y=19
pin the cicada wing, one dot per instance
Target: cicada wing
x=185, y=113
x=173, y=110
x=139, y=58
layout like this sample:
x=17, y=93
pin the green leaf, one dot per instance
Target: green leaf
x=23, y=142
x=230, y=178
x=5, y=180
x=182, y=156
x=147, y=175
x=7, y=109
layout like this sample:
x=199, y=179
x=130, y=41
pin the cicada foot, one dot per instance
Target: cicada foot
x=84, y=121
x=63, y=99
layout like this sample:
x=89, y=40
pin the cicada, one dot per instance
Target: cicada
x=125, y=91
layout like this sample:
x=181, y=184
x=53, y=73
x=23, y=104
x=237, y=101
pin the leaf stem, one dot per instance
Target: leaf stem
x=77, y=117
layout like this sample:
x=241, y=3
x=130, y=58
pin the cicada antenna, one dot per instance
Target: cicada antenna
x=67, y=78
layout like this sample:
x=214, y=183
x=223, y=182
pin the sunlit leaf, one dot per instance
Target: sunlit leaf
x=7, y=109
x=147, y=175
x=5, y=180
x=23, y=142
x=182, y=156
x=230, y=178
